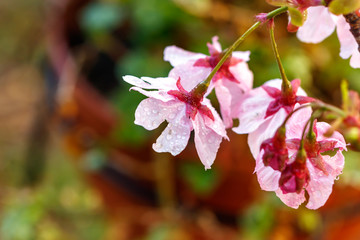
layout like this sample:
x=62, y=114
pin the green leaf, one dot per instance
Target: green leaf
x=344, y=6
x=297, y=17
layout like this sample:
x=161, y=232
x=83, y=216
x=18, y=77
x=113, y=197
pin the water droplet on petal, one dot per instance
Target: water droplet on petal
x=337, y=178
x=154, y=111
x=171, y=116
x=168, y=137
x=146, y=109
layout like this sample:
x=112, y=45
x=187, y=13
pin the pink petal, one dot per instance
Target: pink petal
x=175, y=136
x=297, y=122
x=243, y=74
x=355, y=60
x=265, y=131
x=177, y=56
x=335, y=164
x=215, y=47
x=190, y=75
x=152, y=112
x=245, y=56
x=268, y=178
x=348, y=45
x=207, y=141
x=293, y=200
x=217, y=124
x=319, y=187
x=152, y=83
x=252, y=110
x=160, y=95
x=322, y=128
x=224, y=97
x=318, y=25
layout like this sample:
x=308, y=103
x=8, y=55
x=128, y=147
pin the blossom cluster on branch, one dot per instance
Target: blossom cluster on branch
x=294, y=152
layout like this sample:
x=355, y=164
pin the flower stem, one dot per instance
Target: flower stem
x=286, y=85
x=236, y=44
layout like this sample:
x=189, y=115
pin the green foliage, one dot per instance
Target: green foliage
x=201, y=182
x=101, y=17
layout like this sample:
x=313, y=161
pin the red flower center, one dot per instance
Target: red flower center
x=193, y=101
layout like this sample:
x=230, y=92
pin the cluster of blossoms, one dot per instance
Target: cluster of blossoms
x=290, y=147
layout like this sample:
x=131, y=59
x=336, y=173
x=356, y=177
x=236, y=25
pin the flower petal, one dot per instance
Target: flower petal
x=217, y=124
x=175, y=136
x=224, y=97
x=177, y=56
x=293, y=200
x=207, y=141
x=348, y=44
x=319, y=187
x=152, y=112
x=245, y=56
x=151, y=83
x=215, y=46
x=268, y=178
x=243, y=74
x=190, y=75
x=322, y=128
x=265, y=131
x=318, y=25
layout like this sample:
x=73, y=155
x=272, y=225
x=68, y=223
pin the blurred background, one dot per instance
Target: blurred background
x=75, y=166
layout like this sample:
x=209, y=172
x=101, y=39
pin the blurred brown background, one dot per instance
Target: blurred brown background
x=74, y=166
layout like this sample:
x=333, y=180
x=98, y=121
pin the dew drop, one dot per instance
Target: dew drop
x=337, y=178
x=146, y=109
x=171, y=116
x=168, y=137
x=154, y=111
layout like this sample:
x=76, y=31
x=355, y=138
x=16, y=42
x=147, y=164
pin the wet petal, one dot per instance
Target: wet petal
x=318, y=25
x=207, y=141
x=217, y=124
x=265, y=131
x=267, y=177
x=175, y=136
x=152, y=112
x=322, y=128
x=151, y=83
x=190, y=75
x=319, y=187
x=293, y=200
x=224, y=97
x=160, y=95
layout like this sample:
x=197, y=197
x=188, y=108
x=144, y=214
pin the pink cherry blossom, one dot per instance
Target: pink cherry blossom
x=184, y=110
x=263, y=109
x=320, y=24
x=230, y=82
x=315, y=173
